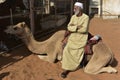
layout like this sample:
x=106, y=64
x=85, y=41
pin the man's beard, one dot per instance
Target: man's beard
x=77, y=12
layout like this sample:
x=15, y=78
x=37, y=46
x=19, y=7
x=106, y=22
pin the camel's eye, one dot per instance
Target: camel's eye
x=15, y=28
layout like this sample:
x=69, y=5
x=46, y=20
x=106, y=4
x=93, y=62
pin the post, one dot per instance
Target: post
x=71, y=12
x=101, y=5
x=32, y=18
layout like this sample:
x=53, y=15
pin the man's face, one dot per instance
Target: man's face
x=76, y=10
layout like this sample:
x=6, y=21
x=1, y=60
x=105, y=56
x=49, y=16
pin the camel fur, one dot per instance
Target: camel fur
x=52, y=47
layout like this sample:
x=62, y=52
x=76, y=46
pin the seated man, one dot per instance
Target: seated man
x=74, y=50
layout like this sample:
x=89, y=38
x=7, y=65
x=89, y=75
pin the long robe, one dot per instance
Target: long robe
x=74, y=50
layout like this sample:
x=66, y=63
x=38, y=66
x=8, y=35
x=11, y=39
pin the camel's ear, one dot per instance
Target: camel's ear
x=23, y=24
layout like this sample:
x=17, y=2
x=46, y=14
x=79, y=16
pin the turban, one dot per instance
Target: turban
x=79, y=4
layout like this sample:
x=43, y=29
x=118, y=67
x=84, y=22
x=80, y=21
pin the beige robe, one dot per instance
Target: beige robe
x=74, y=49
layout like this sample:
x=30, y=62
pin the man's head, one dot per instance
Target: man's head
x=78, y=7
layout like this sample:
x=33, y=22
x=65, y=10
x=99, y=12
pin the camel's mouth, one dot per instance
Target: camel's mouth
x=9, y=30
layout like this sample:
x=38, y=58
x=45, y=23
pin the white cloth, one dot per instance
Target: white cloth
x=96, y=37
x=79, y=4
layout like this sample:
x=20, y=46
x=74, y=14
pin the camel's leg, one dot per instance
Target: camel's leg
x=45, y=58
x=101, y=57
x=96, y=63
x=48, y=58
x=108, y=69
x=59, y=54
x=58, y=50
x=52, y=56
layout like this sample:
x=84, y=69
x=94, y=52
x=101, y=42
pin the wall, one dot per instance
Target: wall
x=111, y=7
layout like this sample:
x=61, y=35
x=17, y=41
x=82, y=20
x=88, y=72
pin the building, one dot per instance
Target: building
x=105, y=8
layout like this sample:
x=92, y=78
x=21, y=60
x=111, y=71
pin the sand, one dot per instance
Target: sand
x=21, y=64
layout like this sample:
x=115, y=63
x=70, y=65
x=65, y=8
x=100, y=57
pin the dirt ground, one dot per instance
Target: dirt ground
x=20, y=64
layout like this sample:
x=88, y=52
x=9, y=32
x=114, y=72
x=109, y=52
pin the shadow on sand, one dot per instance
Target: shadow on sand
x=2, y=75
x=7, y=59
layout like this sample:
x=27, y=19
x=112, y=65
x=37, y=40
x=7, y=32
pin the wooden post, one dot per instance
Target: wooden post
x=11, y=17
x=101, y=5
x=32, y=18
x=71, y=12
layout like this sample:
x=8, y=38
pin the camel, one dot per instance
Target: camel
x=52, y=47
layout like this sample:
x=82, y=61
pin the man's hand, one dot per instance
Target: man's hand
x=78, y=27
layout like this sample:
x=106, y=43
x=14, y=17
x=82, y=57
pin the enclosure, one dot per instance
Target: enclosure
x=42, y=16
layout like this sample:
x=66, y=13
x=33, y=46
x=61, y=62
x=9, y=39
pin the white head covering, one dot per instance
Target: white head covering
x=79, y=4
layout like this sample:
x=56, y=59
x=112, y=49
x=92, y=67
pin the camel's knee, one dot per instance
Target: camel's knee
x=51, y=58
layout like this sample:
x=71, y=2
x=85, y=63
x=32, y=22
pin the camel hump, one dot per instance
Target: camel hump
x=104, y=47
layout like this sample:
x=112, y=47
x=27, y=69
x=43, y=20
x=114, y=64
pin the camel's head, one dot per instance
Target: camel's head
x=17, y=29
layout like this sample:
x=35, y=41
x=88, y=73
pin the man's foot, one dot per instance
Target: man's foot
x=64, y=73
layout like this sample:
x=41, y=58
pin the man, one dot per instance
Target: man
x=74, y=50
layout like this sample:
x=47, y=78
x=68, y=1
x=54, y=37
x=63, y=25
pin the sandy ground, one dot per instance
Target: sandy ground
x=20, y=64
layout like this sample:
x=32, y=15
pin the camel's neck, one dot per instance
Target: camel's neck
x=33, y=45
